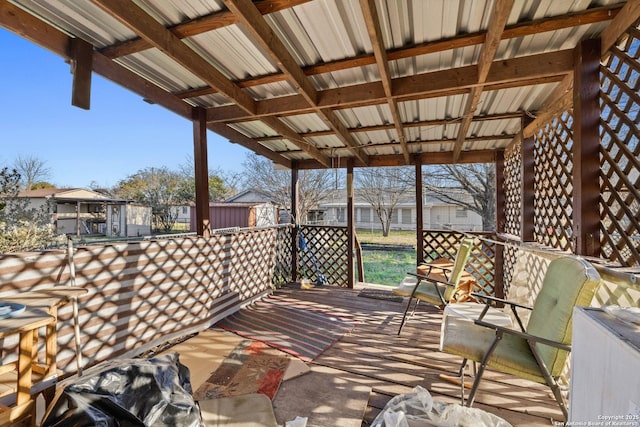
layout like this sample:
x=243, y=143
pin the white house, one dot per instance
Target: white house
x=437, y=215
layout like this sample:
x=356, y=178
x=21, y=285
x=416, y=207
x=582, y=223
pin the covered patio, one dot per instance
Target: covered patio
x=546, y=91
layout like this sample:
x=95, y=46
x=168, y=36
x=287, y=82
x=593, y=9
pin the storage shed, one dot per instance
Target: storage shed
x=225, y=215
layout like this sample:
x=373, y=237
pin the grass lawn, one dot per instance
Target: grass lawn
x=394, y=237
x=387, y=267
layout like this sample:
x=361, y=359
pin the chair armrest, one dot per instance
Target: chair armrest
x=523, y=335
x=504, y=301
x=430, y=279
x=439, y=267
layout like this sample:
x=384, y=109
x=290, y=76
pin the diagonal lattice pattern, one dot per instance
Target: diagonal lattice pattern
x=620, y=148
x=553, y=183
x=282, y=267
x=326, y=253
x=481, y=264
x=512, y=196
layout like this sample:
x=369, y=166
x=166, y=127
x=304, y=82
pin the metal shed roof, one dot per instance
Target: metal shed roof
x=321, y=81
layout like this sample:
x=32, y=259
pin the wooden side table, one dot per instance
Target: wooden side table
x=25, y=325
x=48, y=300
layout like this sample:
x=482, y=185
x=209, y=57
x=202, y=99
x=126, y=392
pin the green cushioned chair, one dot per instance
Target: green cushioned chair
x=538, y=353
x=433, y=290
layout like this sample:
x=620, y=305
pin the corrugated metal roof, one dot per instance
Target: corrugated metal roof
x=329, y=42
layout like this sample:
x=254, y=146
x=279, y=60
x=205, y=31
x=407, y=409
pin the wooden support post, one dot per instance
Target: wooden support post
x=350, y=224
x=78, y=205
x=419, y=214
x=498, y=285
x=586, y=149
x=81, y=67
x=527, y=171
x=203, y=220
x=294, y=221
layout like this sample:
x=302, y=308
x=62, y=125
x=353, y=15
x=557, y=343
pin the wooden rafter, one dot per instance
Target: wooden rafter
x=197, y=26
x=440, y=158
x=522, y=29
x=630, y=13
x=250, y=17
x=157, y=35
x=390, y=126
x=45, y=35
x=497, y=23
x=161, y=38
x=372, y=21
x=517, y=72
x=558, y=101
x=416, y=142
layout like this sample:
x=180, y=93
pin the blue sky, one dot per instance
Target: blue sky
x=120, y=135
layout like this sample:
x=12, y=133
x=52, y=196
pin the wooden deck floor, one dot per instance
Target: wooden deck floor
x=374, y=355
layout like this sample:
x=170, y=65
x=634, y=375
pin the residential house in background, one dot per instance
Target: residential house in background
x=83, y=212
x=437, y=215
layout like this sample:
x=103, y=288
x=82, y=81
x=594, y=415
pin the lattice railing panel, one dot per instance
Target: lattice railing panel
x=512, y=196
x=282, y=268
x=620, y=147
x=481, y=264
x=553, y=183
x=510, y=258
x=327, y=253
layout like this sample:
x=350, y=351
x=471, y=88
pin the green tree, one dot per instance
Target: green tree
x=160, y=188
x=22, y=228
x=221, y=185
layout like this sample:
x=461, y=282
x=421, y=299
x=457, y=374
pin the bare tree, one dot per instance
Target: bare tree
x=313, y=185
x=471, y=186
x=383, y=188
x=31, y=170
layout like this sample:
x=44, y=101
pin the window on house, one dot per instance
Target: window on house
x=395, y=216
x=406, y=216
x=184, y=210
x=461, y=213
x=365, y=214
x=341, y=214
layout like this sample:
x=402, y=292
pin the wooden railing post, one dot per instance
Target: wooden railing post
x=350, y=224
x=498, y=276
x=527, y=191
x=419, y=214
x=295, y=220
x=203, y=220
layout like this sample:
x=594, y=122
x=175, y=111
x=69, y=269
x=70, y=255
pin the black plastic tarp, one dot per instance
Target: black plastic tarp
x=137, y=392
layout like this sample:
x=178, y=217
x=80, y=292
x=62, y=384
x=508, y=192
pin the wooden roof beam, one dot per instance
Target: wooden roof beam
x=238, y=138
x=440, y=158
x=630, y=13
x=422, y=123
x=553, y=23
x=157, y=35
x=251, y=19
x=372, y=22
x=42, y=34
x=557, y=102
x=54, y=40
x=497, y=23
x=197, y=26
x=517, y=72
x=417, y=142
x=153, y=32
